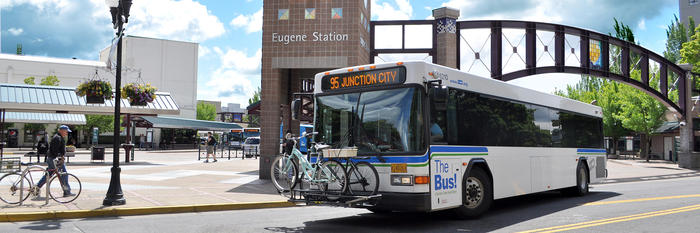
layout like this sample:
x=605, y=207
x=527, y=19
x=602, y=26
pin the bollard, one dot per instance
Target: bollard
x=199, y=153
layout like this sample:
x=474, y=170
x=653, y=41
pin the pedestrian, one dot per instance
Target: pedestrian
x=142, y=141
x=57, y=149
x=211, y=142
x=42, y=148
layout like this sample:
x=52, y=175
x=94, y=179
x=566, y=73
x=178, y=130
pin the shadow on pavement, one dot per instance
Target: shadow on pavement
x=255, y=187
x=121, y=164
x=44, y=225
x=503, y=213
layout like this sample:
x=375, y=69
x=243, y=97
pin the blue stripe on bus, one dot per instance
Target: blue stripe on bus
x=420, y=159
x=590, y=150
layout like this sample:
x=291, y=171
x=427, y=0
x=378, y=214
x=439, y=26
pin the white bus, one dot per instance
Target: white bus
x=444, y=139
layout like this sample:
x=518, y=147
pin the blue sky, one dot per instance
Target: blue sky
x=229, y=31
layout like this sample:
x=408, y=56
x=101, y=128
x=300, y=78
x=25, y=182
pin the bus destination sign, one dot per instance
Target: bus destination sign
x=368, y=78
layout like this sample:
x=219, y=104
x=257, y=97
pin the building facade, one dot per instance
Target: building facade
x=171, y=66
x=689, y=8
x=300, y=39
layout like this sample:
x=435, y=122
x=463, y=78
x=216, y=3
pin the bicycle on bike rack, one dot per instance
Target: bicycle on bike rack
x=329, y=177
x=21, y=185
x=361, y=178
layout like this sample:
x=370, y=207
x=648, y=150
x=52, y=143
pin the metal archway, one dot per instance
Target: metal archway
x=527, y=50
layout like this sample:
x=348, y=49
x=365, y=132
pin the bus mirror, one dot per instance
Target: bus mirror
x=296, y=109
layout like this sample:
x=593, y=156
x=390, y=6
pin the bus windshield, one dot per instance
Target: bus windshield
x=384, y=121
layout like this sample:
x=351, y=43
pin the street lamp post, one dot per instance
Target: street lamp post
x=117, y=8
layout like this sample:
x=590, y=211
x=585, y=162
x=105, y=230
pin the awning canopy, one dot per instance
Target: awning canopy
x=667, y=127
x=45, y=118
x=182, y=123
x=52, y=99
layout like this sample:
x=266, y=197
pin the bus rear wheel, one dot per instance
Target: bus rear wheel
x=477, y=194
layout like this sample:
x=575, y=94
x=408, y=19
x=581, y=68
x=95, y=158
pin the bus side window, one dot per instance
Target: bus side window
x=438, y=122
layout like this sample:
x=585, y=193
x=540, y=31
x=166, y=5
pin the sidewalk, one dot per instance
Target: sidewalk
x=158, y=179
x=623, y=170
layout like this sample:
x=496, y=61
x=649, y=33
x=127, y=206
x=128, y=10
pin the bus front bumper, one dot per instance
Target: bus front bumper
x=404, y=202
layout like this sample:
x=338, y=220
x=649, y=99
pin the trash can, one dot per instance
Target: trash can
x=98, y=153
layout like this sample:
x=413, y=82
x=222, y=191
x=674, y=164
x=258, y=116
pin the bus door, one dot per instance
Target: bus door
x=446, y=181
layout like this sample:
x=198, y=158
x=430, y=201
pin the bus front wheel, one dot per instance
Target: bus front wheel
x=477, y=194
x=581, y=187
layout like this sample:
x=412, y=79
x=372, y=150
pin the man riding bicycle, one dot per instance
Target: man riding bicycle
x=57, y=149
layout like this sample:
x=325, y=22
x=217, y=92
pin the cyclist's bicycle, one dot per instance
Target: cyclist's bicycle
x=327, y=176
x=15, y=188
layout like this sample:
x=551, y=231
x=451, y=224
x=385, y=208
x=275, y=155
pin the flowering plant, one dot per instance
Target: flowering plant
x=96, y=91
x=139, y=94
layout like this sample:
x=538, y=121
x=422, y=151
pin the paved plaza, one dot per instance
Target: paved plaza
x=161, y=178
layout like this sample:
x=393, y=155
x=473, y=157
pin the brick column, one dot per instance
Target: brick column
x=446, y=29
x=270, y=117
x=687, y=158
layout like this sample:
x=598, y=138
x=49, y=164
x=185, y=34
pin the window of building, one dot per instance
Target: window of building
x=693, y=2
x=310, y=13
x=336, y=13
x=283, y=14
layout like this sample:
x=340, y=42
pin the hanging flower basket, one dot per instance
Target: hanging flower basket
x=139, y=94
x=95, y=91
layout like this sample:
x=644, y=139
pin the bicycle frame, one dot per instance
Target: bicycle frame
x=31, y=182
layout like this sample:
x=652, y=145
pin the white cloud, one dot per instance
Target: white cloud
x=236, y=79
x=176, y=20
x=203, y=51
x=251, y=23
x=399, y=10
x=15, y=31
x=642, y=25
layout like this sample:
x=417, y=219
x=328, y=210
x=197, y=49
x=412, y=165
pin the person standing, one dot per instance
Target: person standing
x=142, y=141
x=211, y=142
x=57, y=149
x=42, y=148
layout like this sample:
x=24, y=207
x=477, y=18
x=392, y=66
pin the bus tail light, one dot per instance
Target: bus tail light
x=402, y=180
x=422, y=180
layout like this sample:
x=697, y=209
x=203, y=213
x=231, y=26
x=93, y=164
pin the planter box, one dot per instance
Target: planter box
x=94, y=99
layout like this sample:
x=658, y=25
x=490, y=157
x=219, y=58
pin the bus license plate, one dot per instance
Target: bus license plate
x=398, y=168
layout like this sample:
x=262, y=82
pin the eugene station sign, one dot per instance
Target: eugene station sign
x=315, y=36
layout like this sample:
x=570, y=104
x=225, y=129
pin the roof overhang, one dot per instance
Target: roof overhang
x=45, y=118
x=51, y=99
x=182, y=123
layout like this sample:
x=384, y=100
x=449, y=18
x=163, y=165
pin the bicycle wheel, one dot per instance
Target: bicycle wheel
x=363, y=179
x=58, y=188
x=335, y=176
x=10, y=188
x=283, y=174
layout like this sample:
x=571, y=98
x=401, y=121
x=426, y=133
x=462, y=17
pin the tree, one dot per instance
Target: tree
x=676, y=35
x=253, y=120
x=206, y=111
x=29, y=81
x=105, y=124
x=50, y=80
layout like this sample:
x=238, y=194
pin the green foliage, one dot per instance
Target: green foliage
x=206, y=111
x=105, y=123
x=34, y=126
x=29, y=81
x=623, y=31
x=50, y=80
x=690, y=53
x=676, y=35
x=255, y=98
x=139, y=94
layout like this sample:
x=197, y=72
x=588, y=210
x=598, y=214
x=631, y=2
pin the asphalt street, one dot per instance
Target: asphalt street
x=671, y=205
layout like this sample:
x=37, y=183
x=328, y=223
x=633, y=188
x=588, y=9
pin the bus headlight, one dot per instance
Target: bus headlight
x=402, y=180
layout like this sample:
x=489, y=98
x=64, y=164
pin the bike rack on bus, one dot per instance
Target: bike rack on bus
x=318, y=197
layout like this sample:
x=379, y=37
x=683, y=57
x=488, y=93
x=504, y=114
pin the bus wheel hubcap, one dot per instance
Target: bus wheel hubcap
x=582, y=179
x=474, y=192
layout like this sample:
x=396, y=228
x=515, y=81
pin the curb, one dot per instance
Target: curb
x=113, y=212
